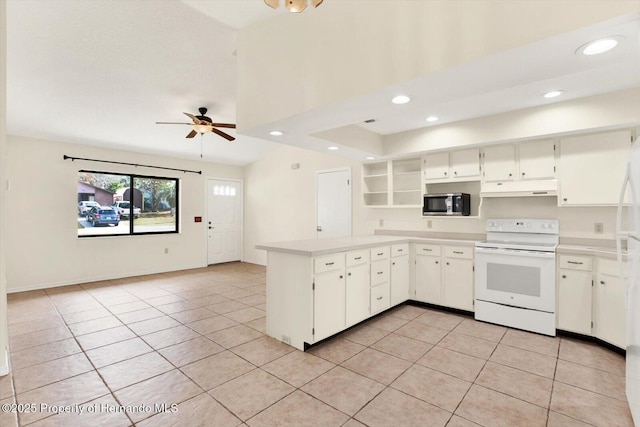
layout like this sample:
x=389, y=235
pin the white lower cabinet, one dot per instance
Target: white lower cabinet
x=574, y=294
x=591, y=298
x=610, y=310
x=380, y=279
x=428, y=275
x=444, y=275
x=400, y=274
x=328, y=304
x=357, y=293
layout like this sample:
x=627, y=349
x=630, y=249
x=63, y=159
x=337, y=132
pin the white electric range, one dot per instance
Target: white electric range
x=515, y=274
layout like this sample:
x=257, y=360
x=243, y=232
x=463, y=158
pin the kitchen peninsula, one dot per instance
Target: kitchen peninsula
x=320, y=287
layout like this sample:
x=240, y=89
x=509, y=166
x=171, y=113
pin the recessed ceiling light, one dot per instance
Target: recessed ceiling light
x=276, y=133
x=599, y=46
x=401, y=99
x=333, y=147
x=432, y=119
x=370, y=158
x=553, y=93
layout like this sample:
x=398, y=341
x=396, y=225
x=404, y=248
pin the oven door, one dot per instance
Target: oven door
x=516, y=278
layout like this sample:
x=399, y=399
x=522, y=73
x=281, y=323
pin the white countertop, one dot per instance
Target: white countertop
x=315, y=247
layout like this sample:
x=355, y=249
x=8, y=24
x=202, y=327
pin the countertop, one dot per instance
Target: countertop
x=315, y=247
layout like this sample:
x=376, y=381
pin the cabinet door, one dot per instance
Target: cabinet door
x=592, y=168
x=328, y=304
x=458, y=283
x=537, y=160
x=436, y=166
x=610, y=310
x=428, y=279
x=575, y=301
x=357, y=294
x=465, y=163
x=399, y=279
x=499, y=163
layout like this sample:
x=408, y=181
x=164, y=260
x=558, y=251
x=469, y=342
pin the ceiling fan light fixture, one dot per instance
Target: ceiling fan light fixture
x=432, y=119
x=202, y=128
x=553, y=94
x=276, y=133
x=294, y=6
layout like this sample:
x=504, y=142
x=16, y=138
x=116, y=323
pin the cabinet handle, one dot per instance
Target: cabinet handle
x=458, y=252
x=379, y=298
x=393, y=263
x=427, y=250
x=400, y=250
x=565, y=199
x=381, y=253
x=575, y=262
x=455, y=172
x=447, y=263
x=522, y=173
x=329, y=263
x=602, y=282
x=436, y=262
x=445, y=173
x=348, y=274
x=564, y=276
x=510, y=174
x=341, y=276
x=380, y=272
x=357, y=258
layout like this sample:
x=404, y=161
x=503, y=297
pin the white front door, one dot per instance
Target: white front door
x=333, y=189
x=224, y=220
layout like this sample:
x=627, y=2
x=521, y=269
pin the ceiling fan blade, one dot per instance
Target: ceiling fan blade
x=222, y=134
x=224, y=125
x=192, y=134
x=195, y=119
x=173, y=123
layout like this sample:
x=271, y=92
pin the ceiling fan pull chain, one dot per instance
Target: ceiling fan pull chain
x=200, y=145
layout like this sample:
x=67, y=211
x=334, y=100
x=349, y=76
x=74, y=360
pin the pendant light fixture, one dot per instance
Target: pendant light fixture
x=295, y=6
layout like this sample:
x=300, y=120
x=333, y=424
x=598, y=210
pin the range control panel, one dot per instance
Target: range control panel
x=538, y=226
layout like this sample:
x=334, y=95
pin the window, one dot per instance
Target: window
x=118, y=204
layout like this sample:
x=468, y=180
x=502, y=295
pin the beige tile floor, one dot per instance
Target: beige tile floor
x=195, y=340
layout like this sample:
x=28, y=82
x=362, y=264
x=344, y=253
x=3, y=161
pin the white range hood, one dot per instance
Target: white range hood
x=533, y=188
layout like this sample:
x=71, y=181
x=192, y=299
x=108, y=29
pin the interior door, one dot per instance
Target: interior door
x=333, y=190
x=224, y=221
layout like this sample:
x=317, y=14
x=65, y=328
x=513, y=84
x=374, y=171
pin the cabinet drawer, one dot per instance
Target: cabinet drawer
x=379, y=272
x=328, y=263
x=381, y=252
x=380, y=297
x=400, y=249
x=575, y=262
x=357, y=257
x=465, y=252
x=610, y=267
x=422, y=249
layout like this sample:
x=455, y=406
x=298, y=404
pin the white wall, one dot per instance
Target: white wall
x=45, y=250
x=4, y=363
x=280, y=202
x=344, y=49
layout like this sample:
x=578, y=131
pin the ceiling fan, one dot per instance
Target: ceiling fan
x=203, y=124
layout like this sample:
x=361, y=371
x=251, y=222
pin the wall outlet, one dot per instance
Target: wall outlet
x=286, y=339
x=166, y=250
x=429, y=223
x=598, y=228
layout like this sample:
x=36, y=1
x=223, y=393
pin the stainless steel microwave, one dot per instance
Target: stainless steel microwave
x=447, y=204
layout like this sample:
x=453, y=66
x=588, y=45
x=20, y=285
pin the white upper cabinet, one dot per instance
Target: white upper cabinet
x=500, y=163
x=436, y=166
x=527, y=161
x=463, y=165
x=537, y=160
x=592, y=168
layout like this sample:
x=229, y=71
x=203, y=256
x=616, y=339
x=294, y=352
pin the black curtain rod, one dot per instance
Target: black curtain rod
x=65, y=157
